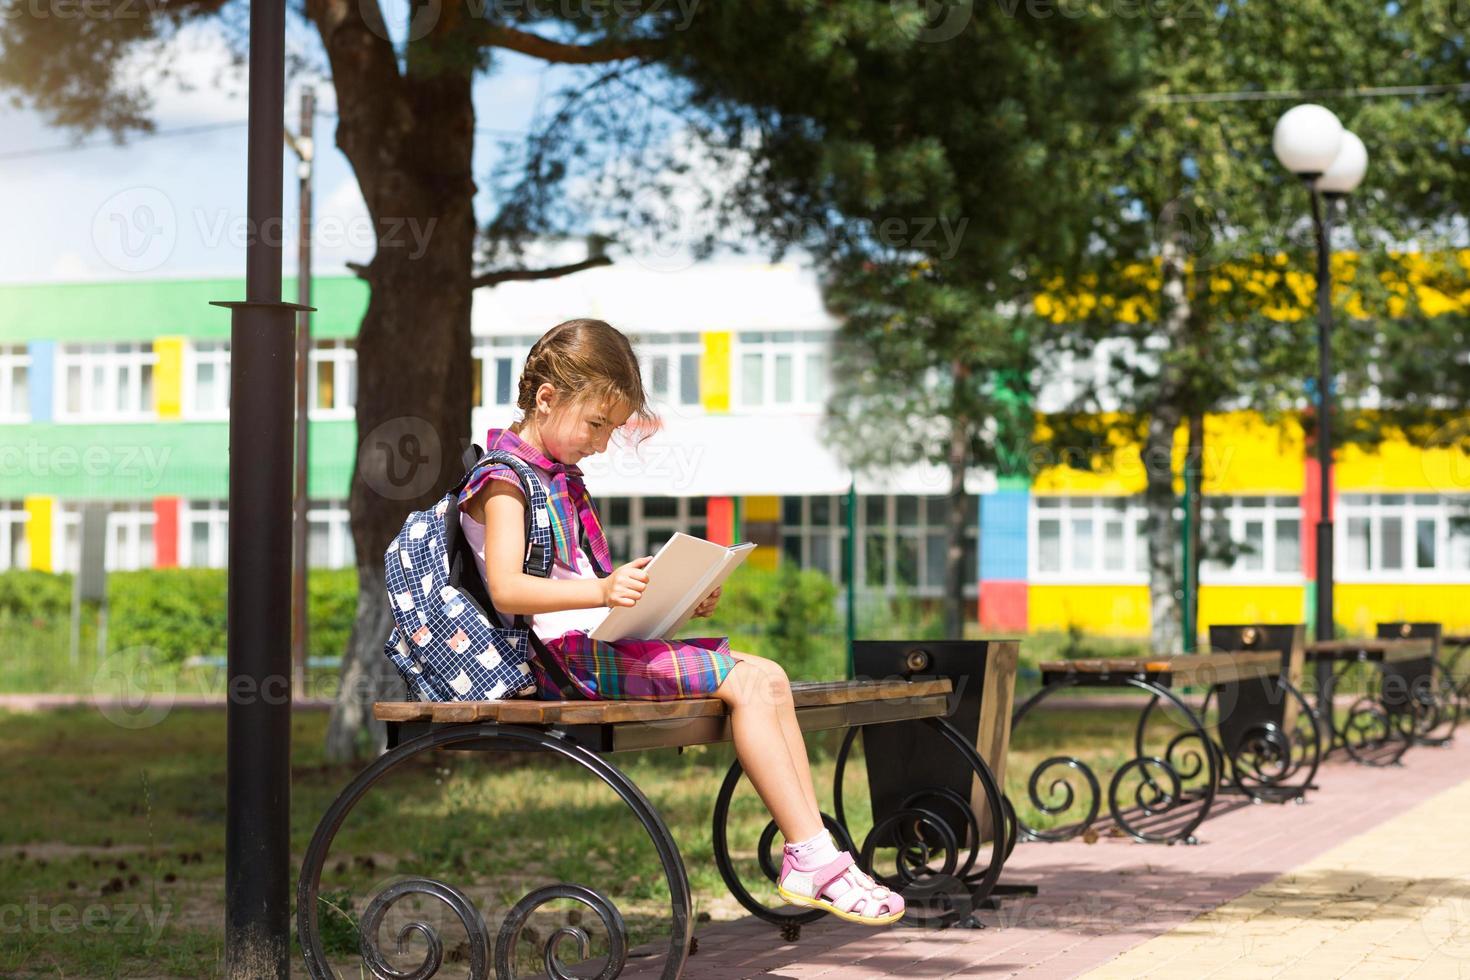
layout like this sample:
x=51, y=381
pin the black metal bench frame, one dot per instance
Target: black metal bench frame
x=1266, y=759
x=939, y=897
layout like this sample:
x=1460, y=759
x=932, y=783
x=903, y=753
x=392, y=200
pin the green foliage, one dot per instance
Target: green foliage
x=788, y=615
x=36, y=598
x=177, y=612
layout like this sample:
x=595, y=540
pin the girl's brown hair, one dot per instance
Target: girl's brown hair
x=588, y=361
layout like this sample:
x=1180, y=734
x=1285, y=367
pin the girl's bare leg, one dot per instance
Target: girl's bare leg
x=757, y=701
x=795, y=744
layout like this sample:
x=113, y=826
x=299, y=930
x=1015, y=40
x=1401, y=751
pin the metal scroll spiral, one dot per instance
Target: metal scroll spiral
x=1373, y=735
x=520, y=913
x=1263, y=756
x=459, y=904
x=1159, y=790
x=490, y=736
x=1061, y=797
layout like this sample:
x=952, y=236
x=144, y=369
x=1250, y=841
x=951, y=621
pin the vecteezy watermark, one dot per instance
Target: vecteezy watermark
x=401, y=458
x=427, y=13
x=111, y=10
x=1446, y=457
x=329, y=231
x=144, y=464
x=135, y=230
x=933, y=21
x=132, y=690
x=64, y=918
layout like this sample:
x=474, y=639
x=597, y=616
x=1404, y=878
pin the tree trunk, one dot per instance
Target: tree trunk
x=954, y=562
x=1165, y=631
x=410, y=143
x=1194, y=502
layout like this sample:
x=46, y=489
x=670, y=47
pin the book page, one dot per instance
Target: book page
x=735, y=557
x=679, y=576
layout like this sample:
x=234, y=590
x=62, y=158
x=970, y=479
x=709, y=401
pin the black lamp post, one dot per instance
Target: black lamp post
x=258, y=712
x=1311, y=143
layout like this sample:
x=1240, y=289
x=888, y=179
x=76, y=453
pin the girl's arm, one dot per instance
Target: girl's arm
x=501, y=507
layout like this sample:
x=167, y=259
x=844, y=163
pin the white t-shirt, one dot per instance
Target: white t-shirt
x=547, y=625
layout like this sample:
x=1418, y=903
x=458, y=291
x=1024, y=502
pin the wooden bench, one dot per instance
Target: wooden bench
x=1163, y=797
x=586, y=731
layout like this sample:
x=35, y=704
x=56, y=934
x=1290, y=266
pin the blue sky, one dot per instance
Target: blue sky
x=174, y=206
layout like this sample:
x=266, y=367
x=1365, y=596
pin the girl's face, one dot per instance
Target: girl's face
x=569, y=430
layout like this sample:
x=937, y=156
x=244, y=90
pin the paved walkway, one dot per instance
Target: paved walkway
x=1371, y=878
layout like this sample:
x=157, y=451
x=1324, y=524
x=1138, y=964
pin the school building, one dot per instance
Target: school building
x=118, y=392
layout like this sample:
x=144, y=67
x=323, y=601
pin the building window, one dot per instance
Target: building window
x=782, y=369
x=637, y=526
x=1250, y=537
x=207, y=379
x=14, y=552
x=105, y=382
x=903, y=540
x=333, y=378
x=814, y=534
x=128, y=538
x=1088, y=539
x=1398, y=536
x=328, y=535
x=204, y=534
x=670, y=367
x=498, y=362
x=15, y=397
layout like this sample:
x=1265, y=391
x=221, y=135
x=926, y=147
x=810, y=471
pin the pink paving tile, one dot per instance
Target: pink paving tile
x=1096, y=900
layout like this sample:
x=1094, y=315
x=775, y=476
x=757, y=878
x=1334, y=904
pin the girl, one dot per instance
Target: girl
x=580, y=383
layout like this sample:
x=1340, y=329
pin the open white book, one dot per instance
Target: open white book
x=683, y=573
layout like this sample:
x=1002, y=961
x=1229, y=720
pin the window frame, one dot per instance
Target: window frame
x=123, y=364
x=1372, y=506
x=802, y=346
x=215, y=353
x=15, y=361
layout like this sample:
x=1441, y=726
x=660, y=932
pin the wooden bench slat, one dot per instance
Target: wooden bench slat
x=533, y=712
x=1203, y=668
x=1391, y=651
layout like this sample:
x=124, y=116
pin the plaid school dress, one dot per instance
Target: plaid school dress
x=629, y=669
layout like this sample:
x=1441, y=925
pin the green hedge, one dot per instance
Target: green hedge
x=788, y=615
x=177, y=612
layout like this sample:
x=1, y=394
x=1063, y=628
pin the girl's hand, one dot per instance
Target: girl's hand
x=626, y=584
x=707, y=607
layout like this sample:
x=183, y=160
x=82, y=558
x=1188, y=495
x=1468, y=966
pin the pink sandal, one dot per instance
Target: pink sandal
x=858, y=898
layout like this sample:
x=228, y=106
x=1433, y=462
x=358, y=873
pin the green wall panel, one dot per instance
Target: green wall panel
x=121, y=311
x=140, y=461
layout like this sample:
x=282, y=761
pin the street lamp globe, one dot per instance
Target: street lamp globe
x=1346, y=172
x=1307, y=139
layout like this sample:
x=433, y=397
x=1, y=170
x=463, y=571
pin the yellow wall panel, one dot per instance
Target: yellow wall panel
x=1244, y=454
x=1358, y=606
x=760, y=509
x=1219, y=604
x=39, y=531
x=714, y=372
x=168, y=376
x=1106, y=610
x=1398, y=466
x=764, y=558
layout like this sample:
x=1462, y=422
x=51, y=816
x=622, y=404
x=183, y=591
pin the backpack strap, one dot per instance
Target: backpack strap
x=538, y=514
x=538, y=550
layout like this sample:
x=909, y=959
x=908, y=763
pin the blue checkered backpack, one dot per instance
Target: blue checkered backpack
x=448, y=642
